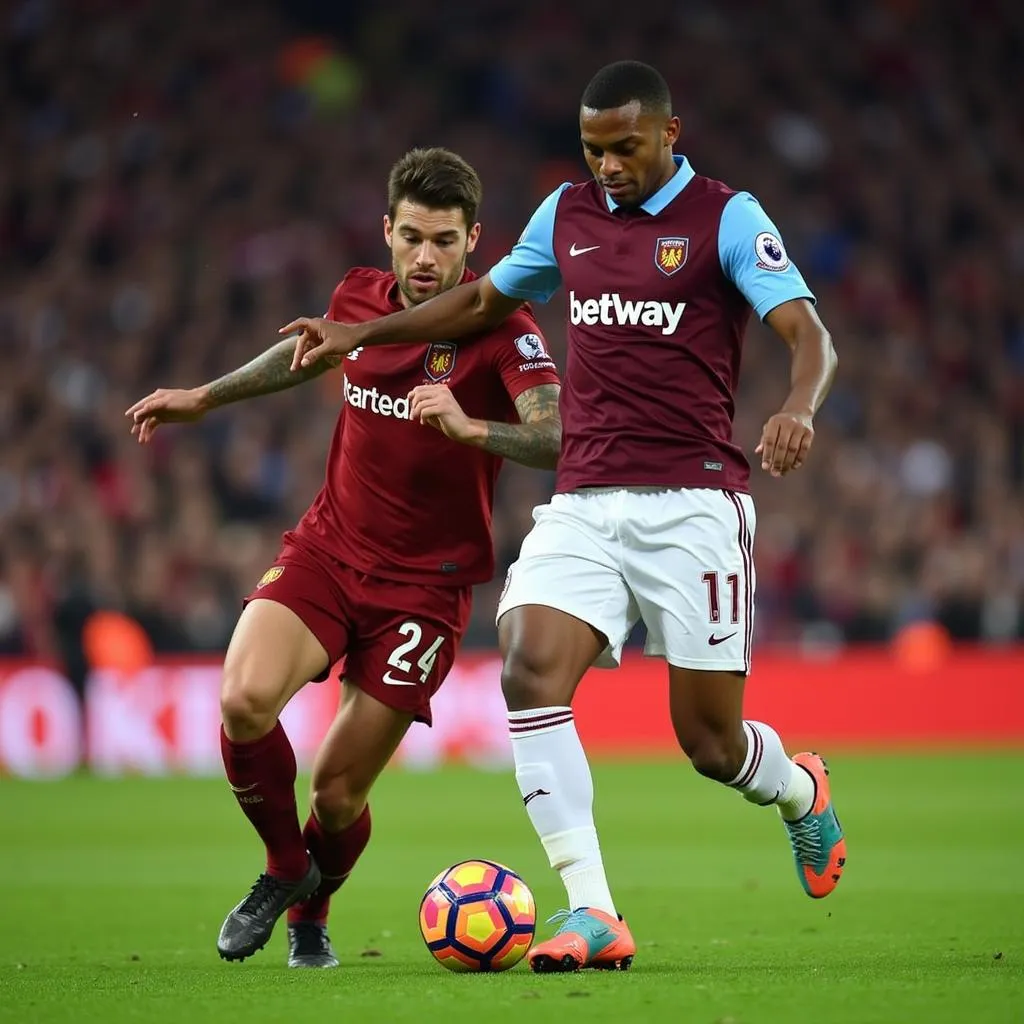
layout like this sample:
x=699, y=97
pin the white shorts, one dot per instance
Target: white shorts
x=680, y=559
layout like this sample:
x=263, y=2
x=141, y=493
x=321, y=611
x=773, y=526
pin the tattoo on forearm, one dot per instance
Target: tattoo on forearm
x=268, y=372
x=537, y=439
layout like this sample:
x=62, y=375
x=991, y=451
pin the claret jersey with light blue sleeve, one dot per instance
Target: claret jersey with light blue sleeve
x=658, y=299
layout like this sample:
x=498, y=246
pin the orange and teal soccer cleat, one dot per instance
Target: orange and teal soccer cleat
x=585, y=938
x=819, y=846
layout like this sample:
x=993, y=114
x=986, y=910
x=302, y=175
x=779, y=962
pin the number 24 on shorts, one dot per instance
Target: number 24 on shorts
x=398, y=661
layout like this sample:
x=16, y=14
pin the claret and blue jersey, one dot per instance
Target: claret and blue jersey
x=658, y=300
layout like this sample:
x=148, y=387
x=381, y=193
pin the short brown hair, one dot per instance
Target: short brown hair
x=437, y=179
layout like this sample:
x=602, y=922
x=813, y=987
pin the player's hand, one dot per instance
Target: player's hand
x=319, y=338
x=785, y=441
x=166, y=406
x=435, y=405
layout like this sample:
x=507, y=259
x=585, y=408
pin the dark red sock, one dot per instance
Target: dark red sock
x=336, y=854
x=262, y=777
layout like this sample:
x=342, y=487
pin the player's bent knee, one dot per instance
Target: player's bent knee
x=337, y=802
x=713, y=755
x=248, y=711
x=529, y=681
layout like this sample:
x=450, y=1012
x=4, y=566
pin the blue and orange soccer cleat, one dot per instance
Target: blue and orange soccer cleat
x=819, y=846
x=585, y=938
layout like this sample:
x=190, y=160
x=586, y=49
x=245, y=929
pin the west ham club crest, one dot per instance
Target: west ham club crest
x=440, y=360
x=670, y=254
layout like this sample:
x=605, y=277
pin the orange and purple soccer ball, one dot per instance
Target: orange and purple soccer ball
x=478, y=915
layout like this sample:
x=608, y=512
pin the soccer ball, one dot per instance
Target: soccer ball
x=478, y=916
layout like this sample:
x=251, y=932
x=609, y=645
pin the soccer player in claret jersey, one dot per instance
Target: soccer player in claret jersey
x=651, y=517
x=380, y=568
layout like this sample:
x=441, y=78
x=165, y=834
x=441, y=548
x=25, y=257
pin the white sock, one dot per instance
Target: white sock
x=768, y=776
x=555, y=782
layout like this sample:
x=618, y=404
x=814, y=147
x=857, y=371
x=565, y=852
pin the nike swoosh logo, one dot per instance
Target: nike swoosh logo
x=714, y=641
x=391, y=681
x=536, y=792
x=243, y=789
x=573, y=251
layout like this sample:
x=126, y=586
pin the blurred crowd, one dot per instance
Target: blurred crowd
x=180, y=179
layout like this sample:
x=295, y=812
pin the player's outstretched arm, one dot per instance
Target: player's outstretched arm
x=267, y=373
x=468, y=308
x=534, y=442
x=788, y=435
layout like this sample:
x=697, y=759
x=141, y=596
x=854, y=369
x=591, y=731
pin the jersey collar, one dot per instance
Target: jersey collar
x=656, y=203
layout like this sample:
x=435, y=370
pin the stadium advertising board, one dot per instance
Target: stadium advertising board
x=165, y=718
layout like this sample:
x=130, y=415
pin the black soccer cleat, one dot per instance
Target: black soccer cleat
x=310, y=946
x=248, y=927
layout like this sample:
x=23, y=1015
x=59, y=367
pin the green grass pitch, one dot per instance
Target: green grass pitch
x=112, y=892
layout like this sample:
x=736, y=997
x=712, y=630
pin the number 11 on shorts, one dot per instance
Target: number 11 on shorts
x=732, y=582
x=398, y=661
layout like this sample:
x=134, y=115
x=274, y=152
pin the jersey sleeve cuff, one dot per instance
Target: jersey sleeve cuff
x=509, y=290
x=535, y=379
x=766, y=305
